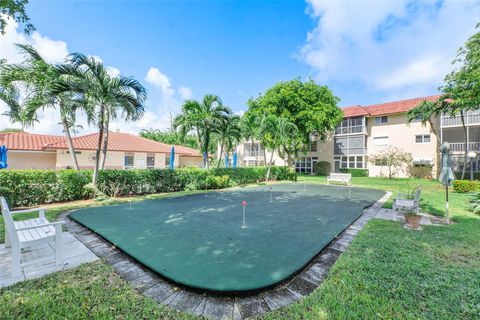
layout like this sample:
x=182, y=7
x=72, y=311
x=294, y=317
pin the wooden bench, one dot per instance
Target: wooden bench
x=345, y=178
x=28, y=233
x=404, y=202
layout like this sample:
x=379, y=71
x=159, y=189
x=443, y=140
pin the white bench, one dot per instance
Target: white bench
x=345, y=178
x=28, y=233
x=408, y=203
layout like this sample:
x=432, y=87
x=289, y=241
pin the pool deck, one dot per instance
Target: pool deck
x=218, y=307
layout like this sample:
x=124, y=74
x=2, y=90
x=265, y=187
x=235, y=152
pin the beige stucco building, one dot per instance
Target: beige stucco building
x=367, y=130
x=125, y=151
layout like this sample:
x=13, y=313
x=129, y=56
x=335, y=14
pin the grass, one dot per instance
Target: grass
x=387, y=272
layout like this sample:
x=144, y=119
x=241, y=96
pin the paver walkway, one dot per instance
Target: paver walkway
x=40, y=260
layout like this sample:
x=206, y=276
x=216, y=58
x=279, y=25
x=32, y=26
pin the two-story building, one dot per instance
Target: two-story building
x=367, y=130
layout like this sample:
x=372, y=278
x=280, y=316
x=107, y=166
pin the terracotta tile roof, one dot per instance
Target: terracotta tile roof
x=386, y=108
x=119, y=141
x=354, y=111
x=27, y=141
x=396, y=106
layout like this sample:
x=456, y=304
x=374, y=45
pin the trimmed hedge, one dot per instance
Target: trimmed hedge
x=322, y=168
x=355, y=172
x=34, y=187
x=464, y=186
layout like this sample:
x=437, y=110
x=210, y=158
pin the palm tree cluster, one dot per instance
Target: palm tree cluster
x=209, y=120
x=81, y=84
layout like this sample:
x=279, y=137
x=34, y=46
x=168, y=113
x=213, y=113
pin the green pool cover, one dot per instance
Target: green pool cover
x=198, y=241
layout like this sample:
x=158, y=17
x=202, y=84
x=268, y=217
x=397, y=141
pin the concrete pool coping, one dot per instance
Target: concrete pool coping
x=214, y=306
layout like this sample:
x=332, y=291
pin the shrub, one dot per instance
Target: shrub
x=34, y=187
x=355, y=172
x=322, y=168
x=463, y=186
x=420, y=172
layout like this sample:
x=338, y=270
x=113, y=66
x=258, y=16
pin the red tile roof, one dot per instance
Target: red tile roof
x=386, y=108
x=27, y=141
x=117, y=141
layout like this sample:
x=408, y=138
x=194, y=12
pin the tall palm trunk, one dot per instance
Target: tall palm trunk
x=105, y=141
x=101, y=123
x=221, y=153
x=69, y=143
x=465, y=159
x=270, y=165
x=265, y=156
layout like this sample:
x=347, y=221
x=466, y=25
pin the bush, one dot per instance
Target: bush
x=34, y=187
x=420, y=172
x=463, y=186
x=322, y=168
x=355, y=172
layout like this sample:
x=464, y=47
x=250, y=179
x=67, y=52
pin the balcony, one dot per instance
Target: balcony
x=471, y=118
x=349, y=151
x=460, y=146
x=247, y=153
x=351, y=130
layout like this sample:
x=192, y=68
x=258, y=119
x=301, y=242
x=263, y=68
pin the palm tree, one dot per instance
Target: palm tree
x=105, y=96
x=38, y=78
x=204, y=118
x=229, y=134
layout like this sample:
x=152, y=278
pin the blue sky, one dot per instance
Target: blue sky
x=366, y=52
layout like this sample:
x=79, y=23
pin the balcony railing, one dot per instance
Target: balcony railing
x=350, y=130
x=460, y=146
x=471, y=118
x=254, y=153
x=349, y=151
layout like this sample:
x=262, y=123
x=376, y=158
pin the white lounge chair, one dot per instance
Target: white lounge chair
x=404, y=203
x=28, y=233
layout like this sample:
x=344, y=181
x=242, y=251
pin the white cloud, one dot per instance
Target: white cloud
x=388, y=46
x=161, y=81
x=112, y=71
x=185, y=92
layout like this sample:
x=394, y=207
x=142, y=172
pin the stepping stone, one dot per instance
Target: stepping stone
x=280, y=298
x=328, y=256
x=218, y=308
x=251, y=307
x=160, y=292
x=186, y=301
x=315, y=273
x=302, y=286
x=145, y=281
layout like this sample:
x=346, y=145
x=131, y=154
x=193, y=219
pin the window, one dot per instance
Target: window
x=359, y=162
x=305, y=164
x=150, y=161
x=129, y=157
x=349, y=162
x=313, y=146
x=380, y=141
x=422, y=138
x=381, y=120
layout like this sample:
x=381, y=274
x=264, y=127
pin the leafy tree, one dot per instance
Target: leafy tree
x=8, y=130
x=170, y=137
x=105, y=96
x=229, y=134
x=393, y=158
x=310, y=107
x=462, y=86
x=204, y=119
x=15, y=10
x=425, y=112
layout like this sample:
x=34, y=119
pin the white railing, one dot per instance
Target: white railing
x=471, y=118
x=254, y=153
x=460, y=146
x=351, y=129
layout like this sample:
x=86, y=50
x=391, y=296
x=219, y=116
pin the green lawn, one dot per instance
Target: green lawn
x=388, y=272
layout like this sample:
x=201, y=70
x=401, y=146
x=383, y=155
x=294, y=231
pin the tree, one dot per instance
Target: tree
x=15, y=10
x=461, y=89
x=426, y=111
x=170, y=137
x=39, y=79
x=204, y=119
x=106, y=97
x=393, y=158
x=310, y=107
x=229, y=134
